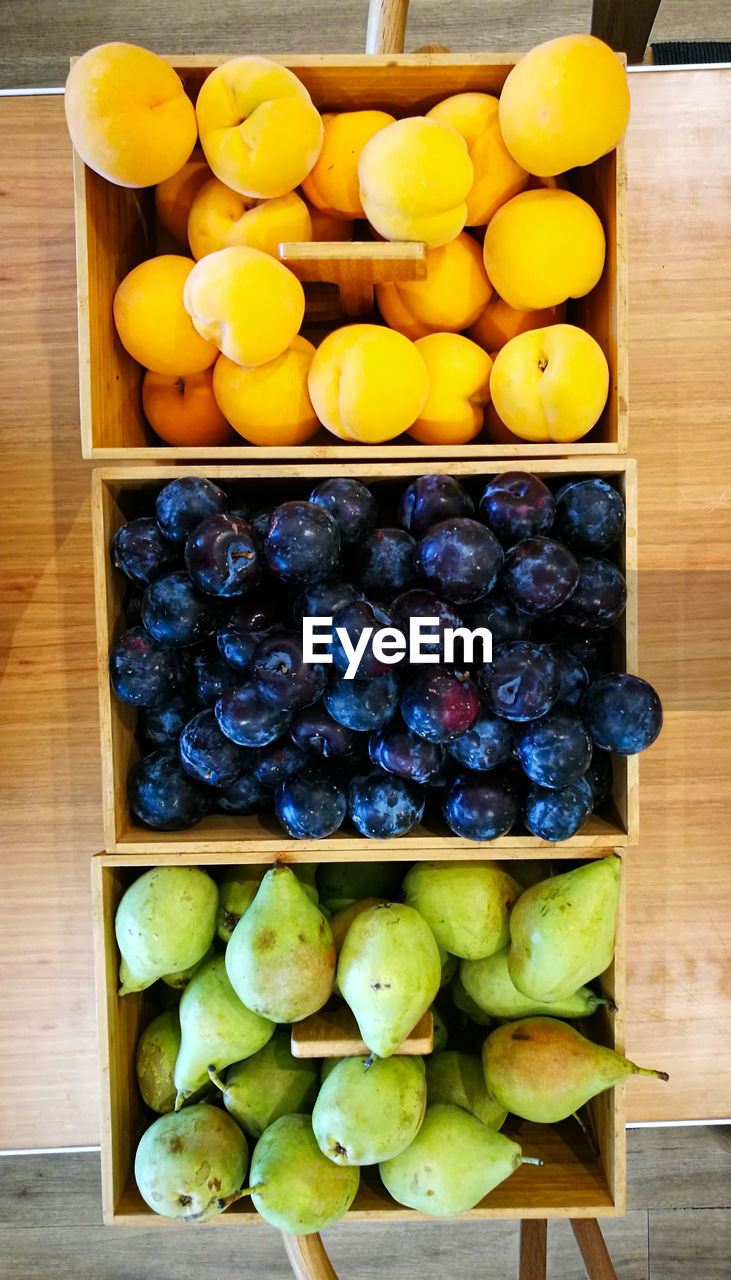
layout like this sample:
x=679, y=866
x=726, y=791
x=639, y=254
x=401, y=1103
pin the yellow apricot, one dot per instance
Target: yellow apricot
x=245, y=302
x=499, y=322
x=566, y=103
x=326, y=227
x=543, y=247
x=550, y=384
x=175, y=195
x=258, y=127
x=128, y=115
x=220, y=217
x=270, y=404
x=367, y=383
x=455, y=292
x=333, y=183
x=497, y=176
x=415, y=176
x=183, y=411
x=152, y=322
x=459, y=389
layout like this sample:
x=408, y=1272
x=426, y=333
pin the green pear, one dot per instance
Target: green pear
x=181, y=979
x=389, y=973
x=544, y=1070
x=234, y=898
x=458, y=1078
x=293, y=1185
x=527, y=871
x=441, y=1031
x=216, y=1029
x=281, y=957
x=466, y=1004
x=452, y=1164
x=326, y=1066
x=341, y=883
x=466, y=904
x=165, y=922
x=450, y=964
x=189, y=1160
x=562, y=930
x=489, y=984
x=341, y=921
x=306, y=873
x=366, y=1112
x=269, y=1084
x=157, y=1049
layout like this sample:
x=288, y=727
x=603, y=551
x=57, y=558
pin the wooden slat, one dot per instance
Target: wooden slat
x=533, y=1249
x=593, y=1249
x=333, y=1033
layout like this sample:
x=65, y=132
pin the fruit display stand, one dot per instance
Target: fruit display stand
x=119, y=493
x=583, y=1173
x=115, y=230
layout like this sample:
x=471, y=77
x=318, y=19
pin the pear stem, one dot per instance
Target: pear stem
x=214, y=1078
x=224, y=1201
x=532, y=1160
x=648, y=1071
x=369, y=1060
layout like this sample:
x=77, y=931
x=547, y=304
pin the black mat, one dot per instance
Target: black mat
x=673, y=53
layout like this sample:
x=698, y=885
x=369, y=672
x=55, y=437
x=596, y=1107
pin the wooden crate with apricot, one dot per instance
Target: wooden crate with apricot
x=388, y=256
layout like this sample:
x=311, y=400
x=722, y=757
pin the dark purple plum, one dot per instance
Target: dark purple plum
x=600, y=596
x=311, y=804
x=383, y=563
x=481, y=806
x=162, y=795
x=517, y=505
x=501, y=618
x=354, y=619
x=397, y=750
x=622, y=713
x=363, y=705
x=322, y=600
x=208, y=755
x=260, y=520
x=184, y=503
x=522, y=681
x=143, y=672
x=251, y=620
x=589, y=514
x=140, y=551
x=314, y=730
x=175, y=613
x=459, y=560
x=486, y=745
x=424, y=604
x=247, y=719
x=557, y=814
x=573, y=677
x=350, y=503
x=133, y=597
x=223, y=556
x=246, y=795
x=539, y=575
x=431, y=499
x=600, y=776
x=556, y=750
x=302, y=542
x=439, y=705
x=211, y=675
x=163, y=725
x=240, y=509
x=278, y=761
x=591, y=648
x=281, y=676
x=382, y=805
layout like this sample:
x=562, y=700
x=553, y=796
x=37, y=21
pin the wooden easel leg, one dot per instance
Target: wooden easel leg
x=307, y=1257
x=624, y=24
x=533, y=1249
x=593, y=1249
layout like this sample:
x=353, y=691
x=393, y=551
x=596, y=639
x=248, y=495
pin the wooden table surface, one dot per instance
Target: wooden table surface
x=679, y=884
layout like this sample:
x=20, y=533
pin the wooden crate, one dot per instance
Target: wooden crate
x=116, y=496
x=575, y=1181
x=115, y=230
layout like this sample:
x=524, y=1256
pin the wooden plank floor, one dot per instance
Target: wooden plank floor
x=678, y=1227
x=37, y=39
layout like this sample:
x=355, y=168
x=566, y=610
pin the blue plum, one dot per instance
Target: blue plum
x=590, y=514
x=418, y=603
x=431, y=499
x=281, y=676
x=522, y=682
x=600, y=776
x=162, y=795
x=350, y=503
x=278, y=761
x=481, y=806
x=175, y=613
x=311, y=804
x=208, y=755
x=183, y=503
x=363, y=705
x=397, y=750
x=211, y=675
x=557, y=814
x=144, y=672
x=252, y=618
x=163, y=725
x=556, y=750
x=623, y=713
x=382, y=805
x=540, y=574
x=383, y=563
x=302, y=542
x=486, y=745
x=323, y=599
x=573, y=677
x=501, y=618
x=354, y=619
x=440, y=705
x=246, y=795
x=517, y=505
x=314, y=730
x=459, y=560
x=600, y=596
x=247, y=719
x=223, y=557
x=140, y=551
